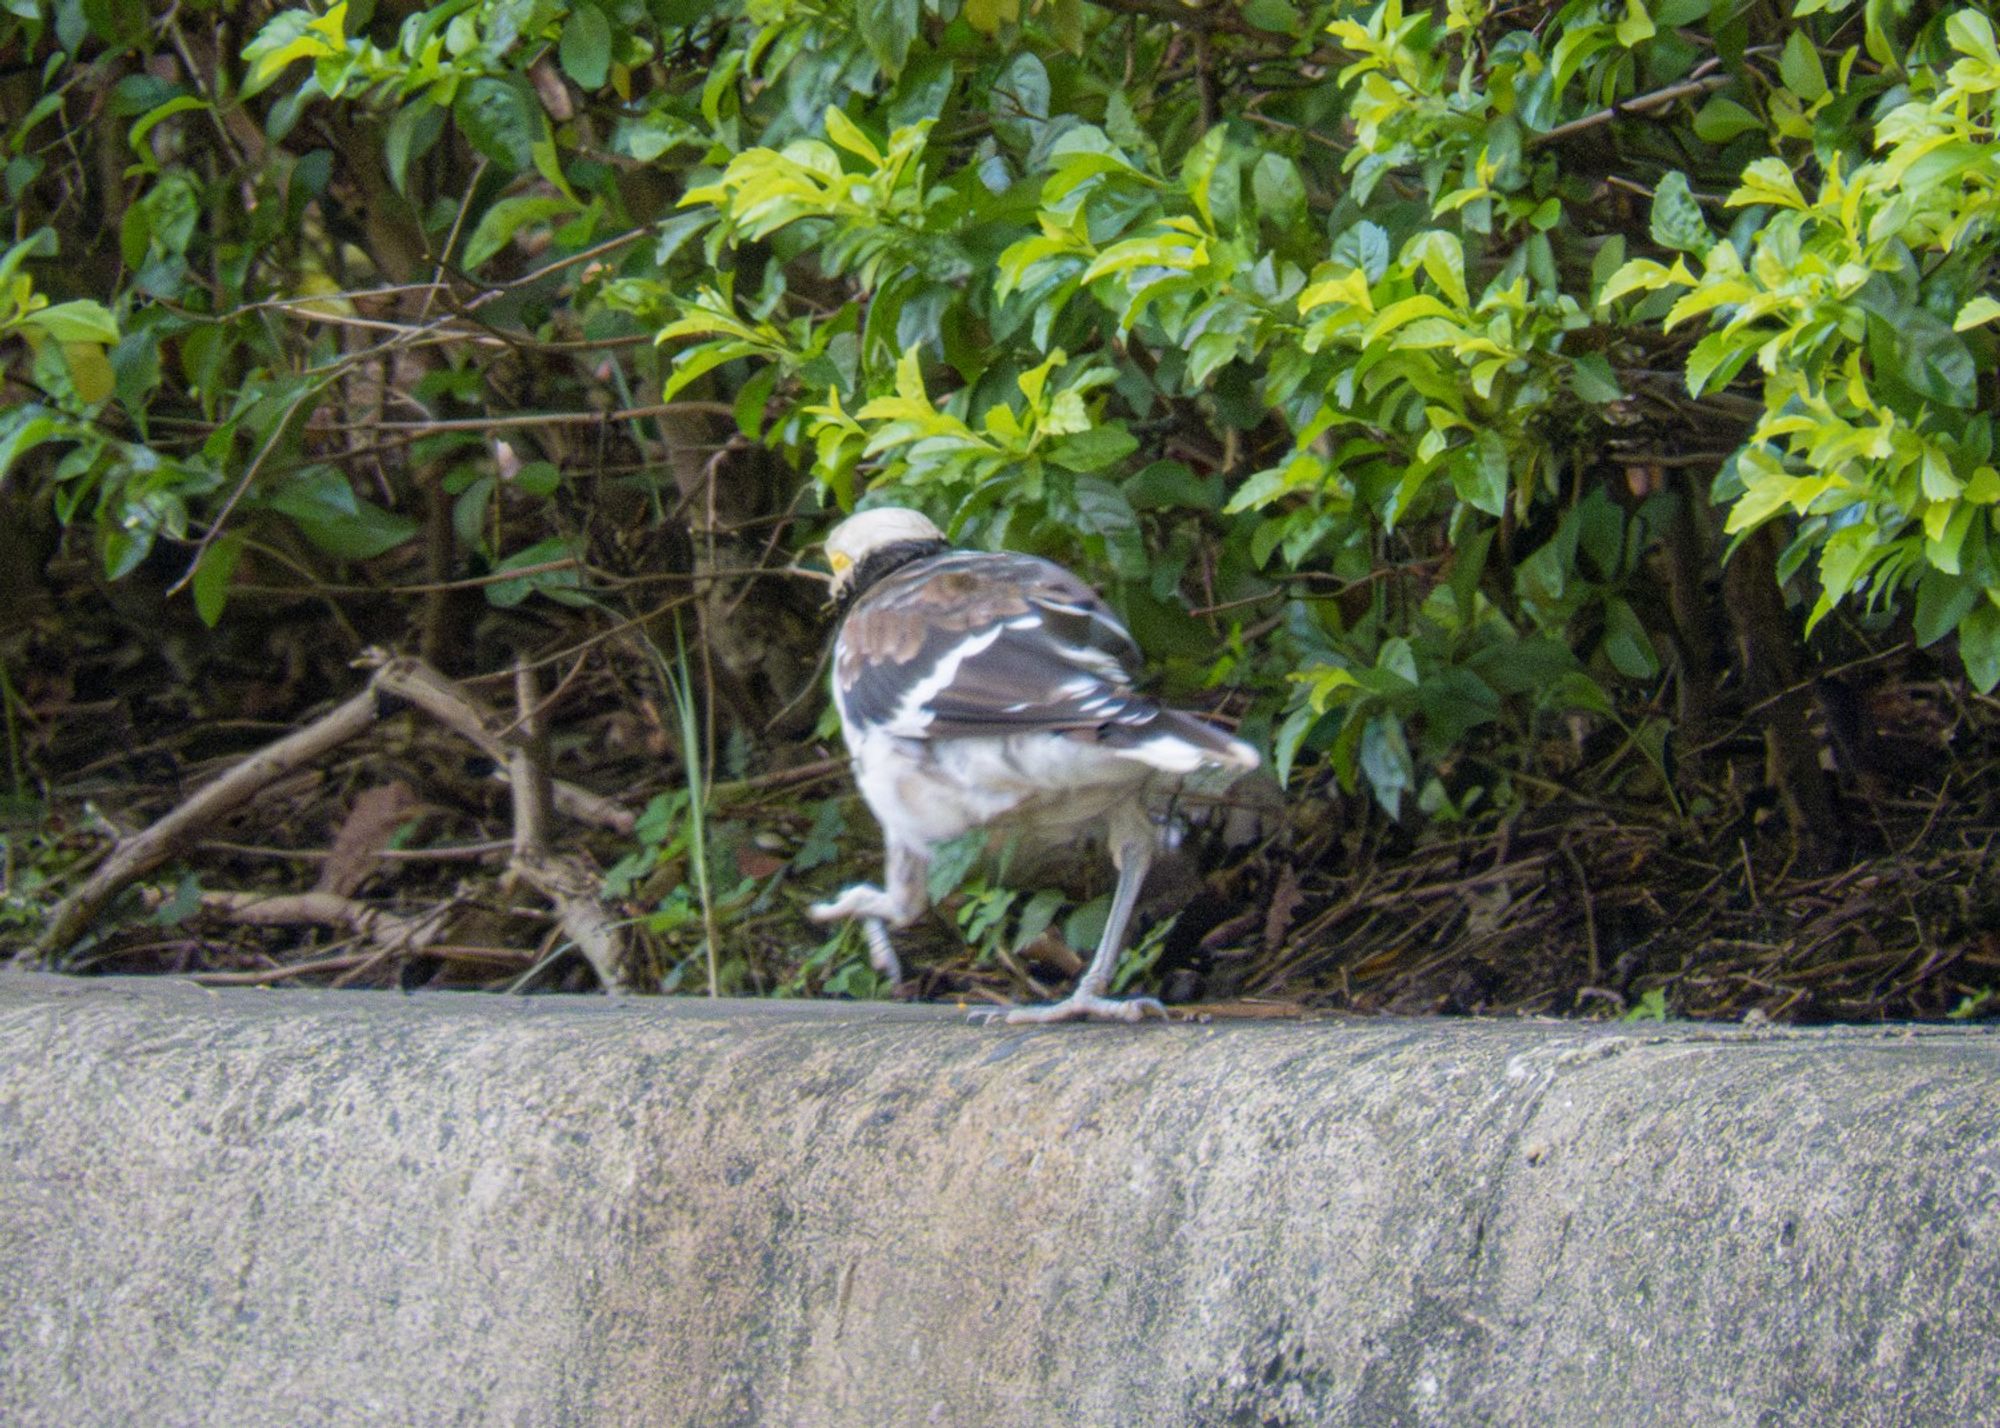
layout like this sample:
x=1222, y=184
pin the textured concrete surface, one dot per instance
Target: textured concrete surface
x=248, y=1208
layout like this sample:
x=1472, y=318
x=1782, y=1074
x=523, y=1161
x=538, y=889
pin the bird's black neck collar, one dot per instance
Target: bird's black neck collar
x=886, y=561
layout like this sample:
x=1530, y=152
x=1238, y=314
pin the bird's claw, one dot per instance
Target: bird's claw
x=1078, y=1006
x=881, y=951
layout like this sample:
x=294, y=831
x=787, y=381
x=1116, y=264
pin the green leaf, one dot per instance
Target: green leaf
x=153, y=119
x=24, y=428
x=951, y=861
x=1626, y=643
x=500, y=120
x=1442, y=257
x=1717, y=358
x=987, y=16
x=1165, y=485
x=293, y=35
x=212, y=575
x=1971, y=33
x=1096, y=449
x=1721, y=120
x=563, y=585
x=79, y=321
x=888, y=28
x=411, y=135
x=499, y=224
x=585, y=47
x=1677, y=220
x=323, y=505
x=1279, y=192
x=537, y=478
x=1592, y=379
x=1799, y=67
x=89, y=371
x=1979, y=645
x=1768, y=180
x=1385, y=762
x=1928, y=356
x=1976, y=313
x=1637, y=26
x=1942, y=601
x=1035, y=918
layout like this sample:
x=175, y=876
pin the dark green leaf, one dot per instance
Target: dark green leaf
x=1165, y=485
x=500, y=120
x=1626, y=643
x=1979, y=645
x=411, y=135
x=562, y=585
x=323, y=505
x=1942, y=601
x=1592, y=379
x=499, y=224
x=1385, y=762
x=1923, y=352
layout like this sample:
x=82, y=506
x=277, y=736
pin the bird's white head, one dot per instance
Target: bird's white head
x=860, y=536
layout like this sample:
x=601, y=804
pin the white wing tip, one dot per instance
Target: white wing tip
x=1173, y=754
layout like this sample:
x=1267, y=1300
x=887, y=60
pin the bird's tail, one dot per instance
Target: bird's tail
x=1179, y=743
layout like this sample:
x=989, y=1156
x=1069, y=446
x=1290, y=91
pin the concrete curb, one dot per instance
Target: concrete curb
x=251, y=1208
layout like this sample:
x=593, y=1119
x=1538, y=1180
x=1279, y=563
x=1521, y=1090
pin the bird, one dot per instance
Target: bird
x=995, y=690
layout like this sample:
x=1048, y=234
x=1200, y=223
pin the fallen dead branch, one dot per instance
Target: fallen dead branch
x=395, y=684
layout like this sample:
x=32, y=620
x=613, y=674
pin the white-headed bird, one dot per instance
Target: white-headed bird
x=995, y=691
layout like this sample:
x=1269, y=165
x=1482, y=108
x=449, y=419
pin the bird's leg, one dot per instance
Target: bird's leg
x=1132, y=851
x=907, y=867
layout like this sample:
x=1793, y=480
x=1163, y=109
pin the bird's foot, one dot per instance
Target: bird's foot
x=1078, y=1006
x=861, y=900
x=882, y=952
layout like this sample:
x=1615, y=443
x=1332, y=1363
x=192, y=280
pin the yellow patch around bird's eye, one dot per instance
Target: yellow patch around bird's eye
x=838, y=561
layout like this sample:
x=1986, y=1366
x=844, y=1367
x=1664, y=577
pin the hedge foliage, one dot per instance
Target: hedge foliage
x=1363, y=352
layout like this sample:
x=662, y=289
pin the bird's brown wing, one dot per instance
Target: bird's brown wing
x=970, y=643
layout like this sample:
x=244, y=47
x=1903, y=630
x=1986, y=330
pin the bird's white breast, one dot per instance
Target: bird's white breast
x=926, y=792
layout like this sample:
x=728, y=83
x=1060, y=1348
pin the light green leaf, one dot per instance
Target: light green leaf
x=1976, y=313
x=1799, y=67
x=1637, y=26
x=1442, y=258
x=82, y=320
x=1721, y=120
x=1677, y=220
x=585, y=47
x=1768, y=180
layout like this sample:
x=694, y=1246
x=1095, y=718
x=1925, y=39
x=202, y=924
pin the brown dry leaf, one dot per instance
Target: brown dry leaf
x=753, y=862
x=1051, y=951
x=1285, y=900
x=374, y=818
